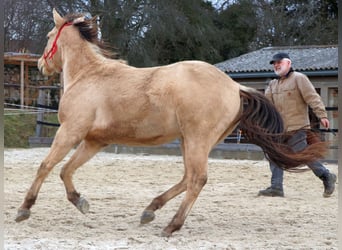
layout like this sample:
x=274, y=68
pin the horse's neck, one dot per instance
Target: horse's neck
x=77, y=61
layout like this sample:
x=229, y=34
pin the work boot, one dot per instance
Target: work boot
x=329, y=181
x=271, y=191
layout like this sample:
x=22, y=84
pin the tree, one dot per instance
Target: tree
x=24, y=26
x=154, y=32
x=174, y=31
x=287, y=23
x=238, y=24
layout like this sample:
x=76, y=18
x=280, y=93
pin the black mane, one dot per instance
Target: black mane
x=88, y=29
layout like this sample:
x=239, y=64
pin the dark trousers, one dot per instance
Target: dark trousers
x=297, y=142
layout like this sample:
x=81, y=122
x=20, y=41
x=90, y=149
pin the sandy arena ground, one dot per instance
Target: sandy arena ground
x=227, y=215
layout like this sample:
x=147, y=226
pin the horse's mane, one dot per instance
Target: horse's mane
x=88, y=29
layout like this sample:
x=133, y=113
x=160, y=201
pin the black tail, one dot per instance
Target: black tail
x=262, y=125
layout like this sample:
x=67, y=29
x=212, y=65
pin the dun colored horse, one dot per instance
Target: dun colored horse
x=106, y=101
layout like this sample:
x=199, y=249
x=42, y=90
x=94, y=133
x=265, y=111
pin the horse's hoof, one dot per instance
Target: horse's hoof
x=23, y=214
x=147, y=217
x=82, y=205
x=164, y=233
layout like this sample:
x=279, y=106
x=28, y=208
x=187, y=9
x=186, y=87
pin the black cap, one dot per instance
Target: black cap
x=279, y=56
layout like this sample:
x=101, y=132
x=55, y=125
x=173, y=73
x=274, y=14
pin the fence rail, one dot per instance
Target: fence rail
x=235, y=142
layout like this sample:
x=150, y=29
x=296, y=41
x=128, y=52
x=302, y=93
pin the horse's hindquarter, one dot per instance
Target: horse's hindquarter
x=156, y=105
x=208, y=101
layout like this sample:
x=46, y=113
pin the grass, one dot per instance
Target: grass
x=20, y=125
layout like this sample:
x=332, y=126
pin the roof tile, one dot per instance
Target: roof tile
x=304, y=58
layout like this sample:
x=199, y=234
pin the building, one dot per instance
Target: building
x=26, y=88
x=22, y=79
x=319, y=63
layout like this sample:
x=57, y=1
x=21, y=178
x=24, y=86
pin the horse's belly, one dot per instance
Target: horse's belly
x=134, y=133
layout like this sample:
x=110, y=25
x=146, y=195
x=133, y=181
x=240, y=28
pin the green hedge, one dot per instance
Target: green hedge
x=18, y=127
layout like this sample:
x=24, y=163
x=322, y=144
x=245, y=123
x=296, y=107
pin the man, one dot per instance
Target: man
x=292, y=93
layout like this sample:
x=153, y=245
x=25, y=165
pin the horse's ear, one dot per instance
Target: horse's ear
x=59, y=21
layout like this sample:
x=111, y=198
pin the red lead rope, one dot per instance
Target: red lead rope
x=54, y=47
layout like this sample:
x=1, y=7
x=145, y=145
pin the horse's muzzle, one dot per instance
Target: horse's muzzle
x=43, y=67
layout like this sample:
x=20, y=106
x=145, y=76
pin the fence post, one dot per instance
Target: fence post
x=40, y=115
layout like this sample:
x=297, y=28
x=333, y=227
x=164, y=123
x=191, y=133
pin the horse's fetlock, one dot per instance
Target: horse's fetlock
x=73, y=197
x=176, y=224
x=29, y=202
x=157, y=203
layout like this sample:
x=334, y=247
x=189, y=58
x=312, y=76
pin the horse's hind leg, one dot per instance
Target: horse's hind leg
x=159, y=201
x=60, y=147
x=196, y=164
x=83, y=153
x=196, y=154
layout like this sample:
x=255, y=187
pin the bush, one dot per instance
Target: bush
x=19, y=126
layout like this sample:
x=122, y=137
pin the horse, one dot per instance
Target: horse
x=107, y=101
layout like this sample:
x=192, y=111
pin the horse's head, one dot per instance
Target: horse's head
x=70, y=31
x=51, y=60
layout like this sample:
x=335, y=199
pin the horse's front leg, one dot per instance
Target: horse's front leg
x=61, y=146
x=85, y=151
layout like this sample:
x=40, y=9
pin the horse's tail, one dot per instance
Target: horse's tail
x=262, y=125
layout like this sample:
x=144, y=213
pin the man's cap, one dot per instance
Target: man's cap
x=279, y=56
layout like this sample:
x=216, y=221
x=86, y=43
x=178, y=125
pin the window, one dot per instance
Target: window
x=333, y=115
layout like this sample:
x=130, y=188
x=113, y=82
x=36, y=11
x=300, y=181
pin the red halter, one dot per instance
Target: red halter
x=54, y=47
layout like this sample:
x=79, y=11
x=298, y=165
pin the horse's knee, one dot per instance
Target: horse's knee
x=196, y=184
x=202, y=180
x=199, y=180
x=44, y=169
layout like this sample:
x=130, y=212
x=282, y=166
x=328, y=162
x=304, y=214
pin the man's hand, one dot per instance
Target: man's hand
x=325, y=122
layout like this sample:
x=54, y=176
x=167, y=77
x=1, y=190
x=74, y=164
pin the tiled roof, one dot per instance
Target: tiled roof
x=304, y=58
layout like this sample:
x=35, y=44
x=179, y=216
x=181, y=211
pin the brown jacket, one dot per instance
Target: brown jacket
x=292, y=95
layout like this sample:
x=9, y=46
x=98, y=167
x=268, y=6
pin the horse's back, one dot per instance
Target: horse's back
x=203, y=88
